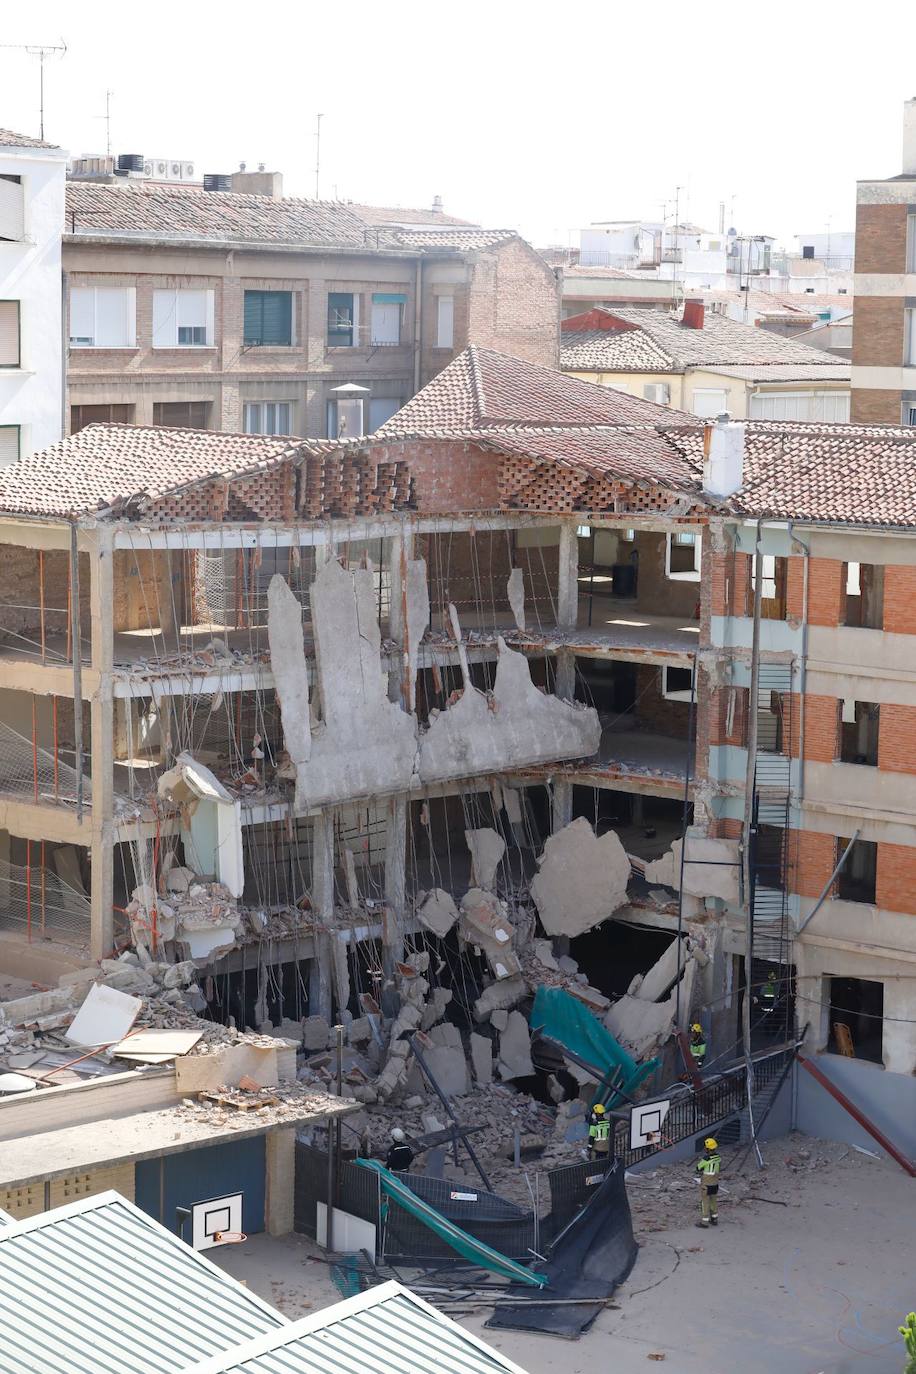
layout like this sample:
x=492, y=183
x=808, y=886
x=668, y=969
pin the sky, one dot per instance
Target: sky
x=520, y=116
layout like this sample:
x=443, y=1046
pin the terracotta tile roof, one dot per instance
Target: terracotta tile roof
x=482, y=389
x=465, y=240
x=398, y=216
x=9, y=139
x=611, y=273
x=721, y=342
x=104, y=465
x=841, y=371
x=138, y=210
x=839, y=474
x=602, y=350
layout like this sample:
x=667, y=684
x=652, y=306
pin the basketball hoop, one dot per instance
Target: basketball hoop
x=229, y=1237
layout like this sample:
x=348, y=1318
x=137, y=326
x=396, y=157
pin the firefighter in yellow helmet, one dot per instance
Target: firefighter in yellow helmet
x=599, y=1133
x=708, y=1167
x=697, y=1045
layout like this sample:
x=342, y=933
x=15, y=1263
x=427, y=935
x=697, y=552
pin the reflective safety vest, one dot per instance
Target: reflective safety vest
x=599, y=1130
x=698, y=1049
x=768, y=995
x=709, y=1167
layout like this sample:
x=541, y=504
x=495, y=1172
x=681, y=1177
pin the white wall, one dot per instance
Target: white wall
x=30, y=272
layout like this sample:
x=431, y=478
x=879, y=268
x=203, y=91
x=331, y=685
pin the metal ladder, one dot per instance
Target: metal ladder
x=770, y=927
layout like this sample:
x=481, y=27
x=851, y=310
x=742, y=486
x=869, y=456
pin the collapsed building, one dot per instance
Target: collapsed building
x=532, y=687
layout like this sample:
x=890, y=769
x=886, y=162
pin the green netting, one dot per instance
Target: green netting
x=474, y=1250
x=562, y=1017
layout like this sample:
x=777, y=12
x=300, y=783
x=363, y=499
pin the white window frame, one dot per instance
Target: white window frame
x=709, y=391
x=768, y=588
x=678, y=694
x=379, y=314
x=264, y=417
x=94, y=292
x=168, y=312
x=17, y=430
x=16, y=312
x=908, y=415
x=800, y=405
x=445, y=321
x=12, y=209
x=681, y=538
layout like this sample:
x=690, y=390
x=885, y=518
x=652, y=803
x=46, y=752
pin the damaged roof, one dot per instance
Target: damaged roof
x=100, y=1285
x=612, y=339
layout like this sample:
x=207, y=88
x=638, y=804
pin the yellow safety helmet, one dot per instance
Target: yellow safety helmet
x=710, y=1143
x=696, y=1026
x=599, y=1109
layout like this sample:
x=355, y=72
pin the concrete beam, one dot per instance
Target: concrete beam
x=40, y=821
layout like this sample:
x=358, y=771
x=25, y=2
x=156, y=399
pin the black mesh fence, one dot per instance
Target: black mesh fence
x=488, y=1218
x=358, y=1193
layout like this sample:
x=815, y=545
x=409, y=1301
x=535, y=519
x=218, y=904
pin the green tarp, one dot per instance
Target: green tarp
x=562, y=1017
x=471, y=1249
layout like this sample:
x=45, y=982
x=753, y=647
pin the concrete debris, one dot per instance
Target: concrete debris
x=416, y=597
x=316, y=1033
x=482, y=1058
x=515, y=591
x=439, y=999
x=211, y=820
x=202, y=915
x=543, y=952
x=438, y=912
x=449, y=1067
x=582, y=879
x=514, y=1048
x=711, y=871
x=484, y=924
x=500, y=996
x=487, y=849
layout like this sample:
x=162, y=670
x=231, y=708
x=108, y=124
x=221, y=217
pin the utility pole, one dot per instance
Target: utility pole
x=677, y=202
x=108, y=95
x=318, y=119
x=41, y=51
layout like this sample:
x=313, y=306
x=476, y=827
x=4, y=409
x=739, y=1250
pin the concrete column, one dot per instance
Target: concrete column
x=561, y=807
x=320, y=998
x=395, y=896
x=281, y=1179
x=400, y=551
x=899, y=1036
x=568, y=581
x=101, y=594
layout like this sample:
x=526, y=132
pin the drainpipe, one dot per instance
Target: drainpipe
x=417, y=325
x=64, y=351
x=803, y=671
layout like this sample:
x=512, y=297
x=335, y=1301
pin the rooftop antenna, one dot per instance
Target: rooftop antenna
x=41, y=51
x=318, y=119
x=107, y=118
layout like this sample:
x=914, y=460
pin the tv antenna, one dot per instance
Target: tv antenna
x=42, y=51
x=318, y=119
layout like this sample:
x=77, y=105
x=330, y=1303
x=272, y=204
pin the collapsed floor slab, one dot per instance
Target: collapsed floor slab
x=582, y=879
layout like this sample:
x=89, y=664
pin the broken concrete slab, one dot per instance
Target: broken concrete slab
x=543, y=952
x=515, y=1048
x=582, y=879
x=487, y=850
x=657, y=982
x=226, y=1066
x=416, y=597
x=438, y=912
x=516, y=724
x=449, y=1067
x=287, y=661
x=484, y=923
x=211, y=818
x=482, y=1058
x=499, y=1019
x=515, y=591
x=499, y=996
x=711, y=868
x=439, y=999
x=641, y=1027
x=104, y=1018
x=316, y=1033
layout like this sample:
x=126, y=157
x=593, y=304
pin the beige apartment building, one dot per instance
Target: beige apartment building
x=230, y=311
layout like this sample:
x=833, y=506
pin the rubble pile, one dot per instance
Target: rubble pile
x=189, y=906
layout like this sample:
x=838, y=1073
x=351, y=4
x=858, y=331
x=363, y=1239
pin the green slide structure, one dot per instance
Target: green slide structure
x=563, y=1018
x=460, y=1241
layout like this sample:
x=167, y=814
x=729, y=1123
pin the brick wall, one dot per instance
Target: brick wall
x=825, y=591
x=795, y=589
x=20, y=594
x=877, y=332
x=880, y=240
x=897, y=738
x=813, y=859
x=900, y=599
x=719, y=732
x=729, y=574
x=822, y=728
x=514, y=304
x=654, y=711
x=895, y=885
x=870, y=407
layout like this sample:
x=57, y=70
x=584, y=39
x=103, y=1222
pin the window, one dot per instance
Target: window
x=856, y=879
x=709, y=402
x=81, y=416
x=345, y=418
x=182, y=414
x=103, y=317
x=864, y=595
x=677, y=684
x=773, y=591
x=387, y=310
x=659, y=392
x=9, y=333
x=800, y=405
x=183, y=319
x=911, y=243
x=445, y=321
x=682, y=557
x=9, y=444
x=12, y=208
x=859, y=732
x=381, y=408
x=909, y=412
x=267, y=417
x=856, y=1018
x=268, y=319
x=807, y=250
x=343, y=321
x=909, y=343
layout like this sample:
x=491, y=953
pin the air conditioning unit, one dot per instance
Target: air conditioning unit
x=187, y=171
x=659, y=392
x=147, y=169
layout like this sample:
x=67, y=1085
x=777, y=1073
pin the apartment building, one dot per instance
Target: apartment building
x=32, y=175
x=231, y=311
x=551, y=633
x=699, y=360
x=884, y=312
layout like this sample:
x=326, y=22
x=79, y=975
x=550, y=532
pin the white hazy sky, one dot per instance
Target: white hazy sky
x=519, y=115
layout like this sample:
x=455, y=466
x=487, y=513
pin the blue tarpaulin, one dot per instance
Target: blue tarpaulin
x=563, y=1018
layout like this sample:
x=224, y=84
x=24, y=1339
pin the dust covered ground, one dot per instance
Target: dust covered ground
x=815, y=1286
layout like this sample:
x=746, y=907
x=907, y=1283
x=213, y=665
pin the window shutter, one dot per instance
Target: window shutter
x=114, y=317
x=12, y=209
x=82, y=313
x=165, y=327
x=9, y=333
x=253, y=316
x=9, y=444
x=278, y=317
x=446, y=322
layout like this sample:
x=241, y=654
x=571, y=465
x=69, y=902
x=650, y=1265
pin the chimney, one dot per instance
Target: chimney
x=259, y=183
x=437, y=205
x=909, y=138
x=723, y=452
x=694, y=314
